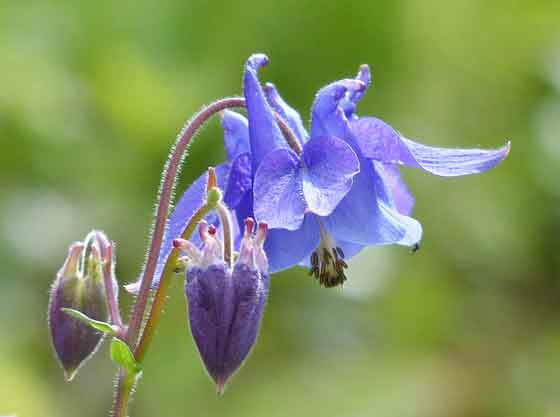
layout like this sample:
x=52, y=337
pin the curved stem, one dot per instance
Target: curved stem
x=166, y=190
x=171, y=168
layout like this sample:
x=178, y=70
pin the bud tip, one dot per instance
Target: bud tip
x=220, y=386
x=212, y=180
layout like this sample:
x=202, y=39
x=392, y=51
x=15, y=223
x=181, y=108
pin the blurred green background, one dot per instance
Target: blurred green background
x=92, y=95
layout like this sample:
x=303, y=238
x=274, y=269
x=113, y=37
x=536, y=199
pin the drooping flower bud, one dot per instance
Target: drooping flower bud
x=79, y=286
x=225, y=303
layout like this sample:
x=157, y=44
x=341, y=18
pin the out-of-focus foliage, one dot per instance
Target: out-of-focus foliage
x=92, y=95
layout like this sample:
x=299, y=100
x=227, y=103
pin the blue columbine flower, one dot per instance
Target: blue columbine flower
x=337, y=192
x=374, y=210
x=299, y=233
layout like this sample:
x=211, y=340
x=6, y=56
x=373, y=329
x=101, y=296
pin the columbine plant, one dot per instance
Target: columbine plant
x=318, y=197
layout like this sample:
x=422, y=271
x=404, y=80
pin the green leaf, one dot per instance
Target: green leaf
x=96, y=324
x=121, y=355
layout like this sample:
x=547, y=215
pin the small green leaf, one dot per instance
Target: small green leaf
x=121, y=355
x=96, y=324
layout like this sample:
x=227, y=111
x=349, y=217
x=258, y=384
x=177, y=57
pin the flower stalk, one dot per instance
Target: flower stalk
x=166, y=190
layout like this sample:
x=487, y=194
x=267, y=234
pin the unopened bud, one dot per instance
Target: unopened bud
x=78, y=286
x=225, y=305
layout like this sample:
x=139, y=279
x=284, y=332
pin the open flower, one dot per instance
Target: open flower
x=335, y=191
x=374, y=211
x=324, y=237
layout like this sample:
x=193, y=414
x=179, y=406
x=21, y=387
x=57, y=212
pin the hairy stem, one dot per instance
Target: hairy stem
x=167, y=185
x=122, y=396
x=166, y=190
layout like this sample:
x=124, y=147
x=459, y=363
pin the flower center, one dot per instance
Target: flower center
x=327, y=262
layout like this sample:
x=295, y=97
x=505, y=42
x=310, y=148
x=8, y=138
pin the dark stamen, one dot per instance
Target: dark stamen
x=328, y=268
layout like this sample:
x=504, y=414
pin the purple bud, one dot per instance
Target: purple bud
x=79, y=286
x=225, y=304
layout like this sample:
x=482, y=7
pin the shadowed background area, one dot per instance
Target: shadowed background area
x=92, y=95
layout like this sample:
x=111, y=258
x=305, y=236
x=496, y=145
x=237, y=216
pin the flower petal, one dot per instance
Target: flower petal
x=330, y=164
x=403, y=199
x=285, y=248
x=236, y=134
x=367, y=215
x=378, y=140
x=278, y=195
x=291, y=116
x=327, y=117
x=264, y=132
x=349, y=249
x=349, y=102
x=239, y=180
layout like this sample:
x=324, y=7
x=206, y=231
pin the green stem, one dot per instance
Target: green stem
x=123, y=393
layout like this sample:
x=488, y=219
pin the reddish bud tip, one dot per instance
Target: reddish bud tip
x=178, y=243
x=249, y=226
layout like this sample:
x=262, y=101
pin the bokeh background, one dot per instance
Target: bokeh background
x=92, y=95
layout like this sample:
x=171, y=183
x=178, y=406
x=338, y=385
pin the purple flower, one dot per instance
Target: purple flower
x=225, y=304
x=334, y=192
x=373, y=211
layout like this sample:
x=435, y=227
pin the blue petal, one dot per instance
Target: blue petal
x=349, y=249
x=291, y=116
x=239, y=180
x=367, y=215
x=378, y=140
x=285, y=248
x=330, y=164
x=264, y=133
x=403, y=199
x=278, y=195
x=349, y=102
x=327, y=117
x=236, y=134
